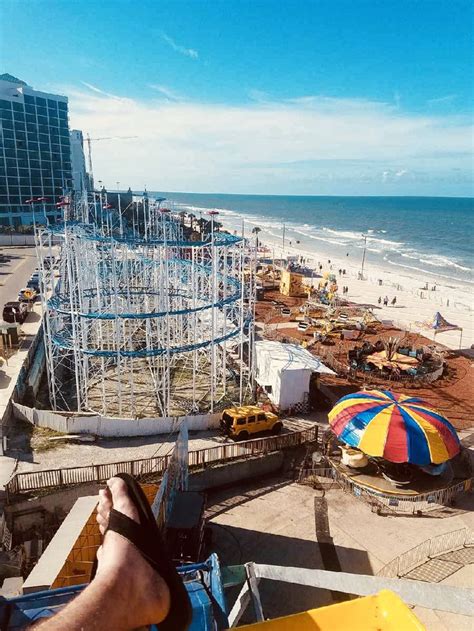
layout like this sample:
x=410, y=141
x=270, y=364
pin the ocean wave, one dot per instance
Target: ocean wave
x=442, y=261
x=358, y=236
x=425, y=271
x=434, y=261
x=310, y=235
x=344, y=234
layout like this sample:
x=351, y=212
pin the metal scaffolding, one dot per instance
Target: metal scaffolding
x=141, y=321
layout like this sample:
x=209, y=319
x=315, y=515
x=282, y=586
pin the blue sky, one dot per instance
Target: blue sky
x=330, y=97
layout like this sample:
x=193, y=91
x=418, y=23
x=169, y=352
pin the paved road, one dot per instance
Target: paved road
x=16, y=267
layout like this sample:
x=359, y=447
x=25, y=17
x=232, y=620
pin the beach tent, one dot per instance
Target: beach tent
x=284, y=371
x=438, y=324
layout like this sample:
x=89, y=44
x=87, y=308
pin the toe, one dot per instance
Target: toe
x=103, y=523
x=105, y=503
x=120, y=498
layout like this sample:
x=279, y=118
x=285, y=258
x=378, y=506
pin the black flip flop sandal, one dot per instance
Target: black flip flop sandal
x=147, y=538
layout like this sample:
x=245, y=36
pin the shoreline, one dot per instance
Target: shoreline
x=415, y=305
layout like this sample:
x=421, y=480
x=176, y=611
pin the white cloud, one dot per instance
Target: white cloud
x=316, y=145
x=94, y=88
x=442, y=99
x=168, y=93
x=188, y=52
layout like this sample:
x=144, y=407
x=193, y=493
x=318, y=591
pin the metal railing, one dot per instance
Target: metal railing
x=409, y=560
x=391, y=503
x=29, y=481
x=376, y=376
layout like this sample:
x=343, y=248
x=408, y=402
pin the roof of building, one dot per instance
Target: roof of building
x=11, y=79
x=290, y=357
x=187, y=510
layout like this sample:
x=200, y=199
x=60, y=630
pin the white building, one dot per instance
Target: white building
x=284, y=371
x=80, y=179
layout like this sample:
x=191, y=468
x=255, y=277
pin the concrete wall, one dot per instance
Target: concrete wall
x=44, y=574
x=235, y=472
x=112, y=427
x=23, y=516
x=17, y=239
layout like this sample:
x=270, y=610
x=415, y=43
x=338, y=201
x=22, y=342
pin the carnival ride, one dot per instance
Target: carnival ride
x=141, y=320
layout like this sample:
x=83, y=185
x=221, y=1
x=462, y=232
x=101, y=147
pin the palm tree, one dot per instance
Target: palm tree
x=255, y=231
x=182, y=215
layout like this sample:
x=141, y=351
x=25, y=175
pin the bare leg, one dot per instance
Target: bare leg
x=126, y=592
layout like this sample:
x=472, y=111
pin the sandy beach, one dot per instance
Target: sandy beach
x=414, y=305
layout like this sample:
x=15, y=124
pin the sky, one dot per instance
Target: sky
x=323, y=97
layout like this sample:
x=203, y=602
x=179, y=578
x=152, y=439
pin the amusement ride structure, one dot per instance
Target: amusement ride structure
x=140, y=320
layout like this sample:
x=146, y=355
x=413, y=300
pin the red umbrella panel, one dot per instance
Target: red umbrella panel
x=395, y=427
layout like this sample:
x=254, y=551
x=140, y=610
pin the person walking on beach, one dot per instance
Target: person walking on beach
x=394, y=301
x=385, y=301
x=340, y=271
x=380, y=300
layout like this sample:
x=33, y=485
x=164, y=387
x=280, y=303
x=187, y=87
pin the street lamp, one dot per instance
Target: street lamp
x=364, y=236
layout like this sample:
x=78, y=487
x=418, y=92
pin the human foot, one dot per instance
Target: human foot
x=138, y=588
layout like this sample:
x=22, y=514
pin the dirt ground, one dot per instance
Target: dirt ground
x=452, y=394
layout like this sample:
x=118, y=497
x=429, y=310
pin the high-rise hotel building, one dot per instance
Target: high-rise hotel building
x=35, y=151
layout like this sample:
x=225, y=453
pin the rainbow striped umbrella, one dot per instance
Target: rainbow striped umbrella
x=395, y=427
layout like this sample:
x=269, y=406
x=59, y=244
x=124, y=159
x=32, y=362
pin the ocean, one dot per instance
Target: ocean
x=422, y=236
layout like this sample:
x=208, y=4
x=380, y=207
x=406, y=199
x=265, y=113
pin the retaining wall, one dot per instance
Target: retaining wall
x=234, y=472
x=109, y=427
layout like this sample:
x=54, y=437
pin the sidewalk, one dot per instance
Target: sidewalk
x=11, y=368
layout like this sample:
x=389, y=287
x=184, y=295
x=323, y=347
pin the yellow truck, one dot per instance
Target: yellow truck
x=242, y=423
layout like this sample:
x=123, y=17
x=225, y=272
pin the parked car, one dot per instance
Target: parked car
x=27, y=294
x=49, y=262
x=34, y=283
x=242, y=422
x=15, y=311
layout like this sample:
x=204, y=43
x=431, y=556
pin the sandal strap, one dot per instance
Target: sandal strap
x=134, y=532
